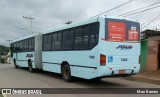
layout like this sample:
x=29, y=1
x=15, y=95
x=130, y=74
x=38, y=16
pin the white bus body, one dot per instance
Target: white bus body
x=95, y=48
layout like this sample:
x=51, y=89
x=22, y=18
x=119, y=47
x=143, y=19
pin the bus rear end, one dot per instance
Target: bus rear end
x=119, y=48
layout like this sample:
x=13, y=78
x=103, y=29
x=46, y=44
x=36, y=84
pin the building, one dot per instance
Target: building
x=150, y=51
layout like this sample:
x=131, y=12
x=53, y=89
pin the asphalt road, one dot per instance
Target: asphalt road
x=22, y=78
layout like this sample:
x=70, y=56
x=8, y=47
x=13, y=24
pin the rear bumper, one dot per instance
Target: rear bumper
x=116, y=75
x=113, y=71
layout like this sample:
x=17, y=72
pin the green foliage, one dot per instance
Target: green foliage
x=1, y=95
x=4, y=50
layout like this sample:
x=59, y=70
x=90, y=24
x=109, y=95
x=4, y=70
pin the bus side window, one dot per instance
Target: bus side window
x=23, y=45
x=47, y=42
x=86, y=31
x=68, y=37
x=20, y=46
x=26, y=49
x=78, y=41
x=59, y=42
x=33, y=41
x=44, y=42
x=65, y=40
x=11, y=48
x=54, y=41
x=18, y=50
x=94, y=34
x=71, y=38
x=31, y=45
x=15, y=47
x=26, y=45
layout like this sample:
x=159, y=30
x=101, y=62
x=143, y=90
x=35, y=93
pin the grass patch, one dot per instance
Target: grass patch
x=1, y=95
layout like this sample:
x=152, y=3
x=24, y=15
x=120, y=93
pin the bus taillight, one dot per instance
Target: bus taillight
x=102, y=60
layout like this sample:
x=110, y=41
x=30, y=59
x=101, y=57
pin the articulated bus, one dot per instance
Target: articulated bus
x=91, y=49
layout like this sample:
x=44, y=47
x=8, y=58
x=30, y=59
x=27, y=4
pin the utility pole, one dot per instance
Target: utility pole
x=9, y=41
x=9, y=48
x=9, y=44
x=30, y=18
x=142, y=26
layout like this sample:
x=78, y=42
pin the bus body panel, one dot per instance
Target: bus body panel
x=84, y=60
x=84, y=72
x=22, y=59
x=86, y=63
x=114, y=70
x=120, y=48
x=83, y=63
x=25, y=64
x=52, y=67
x=119, y=55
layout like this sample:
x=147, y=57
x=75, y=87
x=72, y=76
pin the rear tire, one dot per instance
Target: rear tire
x=30, y=67
x=66, y=73
x=15, y=64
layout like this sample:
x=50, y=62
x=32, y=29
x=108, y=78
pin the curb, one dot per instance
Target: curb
x=144, y=79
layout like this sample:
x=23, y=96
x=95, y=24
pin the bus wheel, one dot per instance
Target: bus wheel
x=66, y=73
x=30, y=66
x=15, y=64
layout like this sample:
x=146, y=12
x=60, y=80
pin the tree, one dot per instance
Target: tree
x=3, y=51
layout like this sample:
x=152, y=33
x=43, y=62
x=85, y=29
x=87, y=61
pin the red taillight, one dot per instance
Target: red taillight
x=102, y=60
x=139, y=59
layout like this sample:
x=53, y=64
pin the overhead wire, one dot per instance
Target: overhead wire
x=140, y=8
x=141, y=11
x=157, y=25
x=130, y=6
x=114, y=8
x=142, y=14
x=152, y=21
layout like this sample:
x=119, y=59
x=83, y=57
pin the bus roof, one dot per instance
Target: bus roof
x=65, y=26
x=25, y=37
x=121, y=18
x=83, y=22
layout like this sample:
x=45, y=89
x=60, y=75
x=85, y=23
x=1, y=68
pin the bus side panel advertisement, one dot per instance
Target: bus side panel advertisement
x=116, y=31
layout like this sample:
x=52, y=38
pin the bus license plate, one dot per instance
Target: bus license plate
x=122, y=71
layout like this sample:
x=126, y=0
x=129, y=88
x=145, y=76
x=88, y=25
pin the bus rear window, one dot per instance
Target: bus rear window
x=122, y=30
x=116, y=31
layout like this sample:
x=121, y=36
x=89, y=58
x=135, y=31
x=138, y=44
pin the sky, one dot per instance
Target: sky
x=52, y=13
